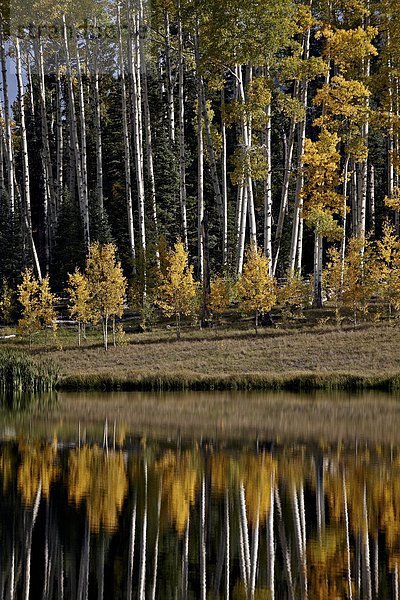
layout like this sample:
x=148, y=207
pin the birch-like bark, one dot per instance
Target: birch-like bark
x=131, y=552
x=97, y=126
x=224, y=184
x=59, y=184
x=245, y=531
x=185, y=562
x=48, y=187
x=182, y=149
x=367, y=587
x=127, y=146
x=228, y=546
x=286, y=182
x=297, y=217
x=142, y=571
x=148, y=134
x=27, y=577
x=80, y=176
x=268, y=190
x=25, y=160
x=344, y=218
x=203, y=573
x=82, y=118
x=372, y=198
x=170, y=81
x=348, y=553
x=248, y=198
x=200, y=163
x=136, y=19
x=364, y=163
x=284, y=545
x=7, y=124
x=156, y=545
x=254, y=552
x=271, y=543
x=242, y=228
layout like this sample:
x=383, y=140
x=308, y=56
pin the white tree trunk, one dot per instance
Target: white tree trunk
x=127, y=146
x=148, y=137
x=82, y=190
x=25, y=160
x=224, y=185
x=7, y=125
x=131, y=552
x=48, y=187
x=285, y=186
x=297, y=217
x=60, y=141
x=268, y=191
x=182, y=149
x=97, y=126
x=142, y=573
x=372, y=198
x=203, y=573
x=170, y=82
x=200, y=165
x=82, y=118
x=137, y=121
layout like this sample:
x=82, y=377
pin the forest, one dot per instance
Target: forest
x=209, y=127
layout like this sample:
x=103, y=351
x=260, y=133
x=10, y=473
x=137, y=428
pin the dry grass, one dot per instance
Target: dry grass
x=368, y=353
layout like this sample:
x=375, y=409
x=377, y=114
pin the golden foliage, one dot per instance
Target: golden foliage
x=100, y=480
x=38, y=466
x=79, y=297
x=37, y=302
x=256, y=288
x=219, y=296
x=179, y=485
x=178, y=290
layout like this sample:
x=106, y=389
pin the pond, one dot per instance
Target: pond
x=202, y=496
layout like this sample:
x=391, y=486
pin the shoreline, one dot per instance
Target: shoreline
x=290, y=381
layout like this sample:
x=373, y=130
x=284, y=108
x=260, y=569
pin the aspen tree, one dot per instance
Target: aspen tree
x=181, y=113
x=25, y=161
x=358, y=278
x=178, y=290
x=37, y=303
x=291, y=296
x=322, y=202
x=107, y=285
x=135, y=20
x=79, y=300
x=256, y=288
x=386, y=268
x=219, y=296
x=7, y=124
x=81, y=175
x=127, y=144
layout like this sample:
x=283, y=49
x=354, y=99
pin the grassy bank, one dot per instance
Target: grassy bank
x=299, y=382
x=232, y=359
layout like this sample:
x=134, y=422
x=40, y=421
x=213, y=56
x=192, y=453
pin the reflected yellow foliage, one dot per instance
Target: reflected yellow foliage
x=6, y=467
x=180, y=482
x=100, y=479
x=256, y=474
x=38, y=465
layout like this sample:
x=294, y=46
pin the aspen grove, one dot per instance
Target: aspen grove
x=228, y=131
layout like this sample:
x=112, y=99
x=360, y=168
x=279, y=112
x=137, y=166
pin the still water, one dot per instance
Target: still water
x=104, y=509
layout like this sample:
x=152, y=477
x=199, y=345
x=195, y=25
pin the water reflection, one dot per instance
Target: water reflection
x=199, y=520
